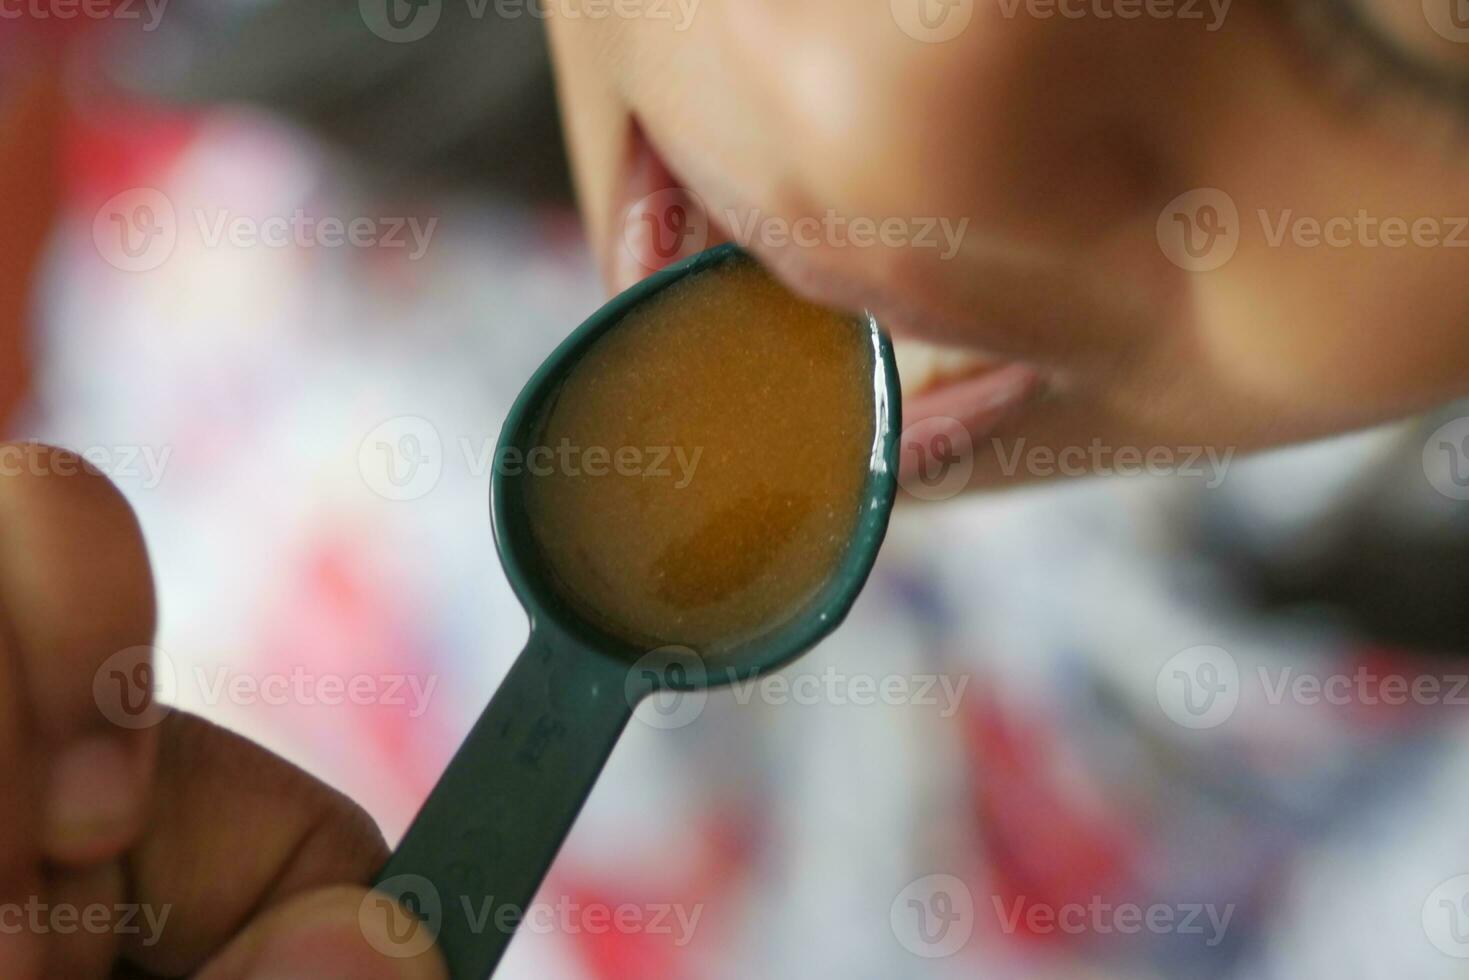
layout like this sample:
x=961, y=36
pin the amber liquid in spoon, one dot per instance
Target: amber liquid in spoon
x=704, y=464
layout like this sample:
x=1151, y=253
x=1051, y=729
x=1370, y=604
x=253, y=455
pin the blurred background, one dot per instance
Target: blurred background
x=281, y=280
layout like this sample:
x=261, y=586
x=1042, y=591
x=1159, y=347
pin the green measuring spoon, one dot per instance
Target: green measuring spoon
x=472, y=861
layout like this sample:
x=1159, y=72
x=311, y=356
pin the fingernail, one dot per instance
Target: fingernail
x=94, y=801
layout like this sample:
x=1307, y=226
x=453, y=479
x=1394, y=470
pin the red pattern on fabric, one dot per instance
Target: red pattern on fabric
x=1044, y=847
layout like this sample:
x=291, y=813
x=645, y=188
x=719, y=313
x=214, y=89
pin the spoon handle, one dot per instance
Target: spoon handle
x=477, y=852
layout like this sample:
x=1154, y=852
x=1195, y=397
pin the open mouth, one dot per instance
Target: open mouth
x=976, y=390
x=657, y=221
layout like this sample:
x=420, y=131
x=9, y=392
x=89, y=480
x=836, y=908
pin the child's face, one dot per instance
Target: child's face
x=1058, y=145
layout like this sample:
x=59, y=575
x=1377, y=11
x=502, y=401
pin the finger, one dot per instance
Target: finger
x=20, y=946
x=76, y=589
x=67, y=791
x=324, y=934
x=240, y=842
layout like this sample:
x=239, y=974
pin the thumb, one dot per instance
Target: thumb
x=259, y=869
x=338, y=932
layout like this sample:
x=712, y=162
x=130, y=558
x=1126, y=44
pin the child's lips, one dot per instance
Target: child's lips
x=977, y=404
x=956, y=387
x=925, y=366
x=655, y=221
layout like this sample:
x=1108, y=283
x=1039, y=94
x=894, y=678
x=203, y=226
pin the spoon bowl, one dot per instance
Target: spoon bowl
x=770, y=650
